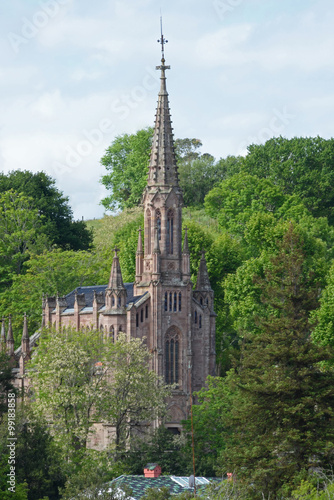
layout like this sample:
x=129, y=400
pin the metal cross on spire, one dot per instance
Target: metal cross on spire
x=162, y=41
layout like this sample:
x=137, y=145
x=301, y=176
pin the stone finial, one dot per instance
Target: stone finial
x=203, y=281
x=3, y=336
x=25, y=342
x=10, y=338
x=185, y=241
x=140, y=242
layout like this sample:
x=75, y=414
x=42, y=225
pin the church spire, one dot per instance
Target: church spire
x=162, y=167
x=203, y=281
x=116, y=280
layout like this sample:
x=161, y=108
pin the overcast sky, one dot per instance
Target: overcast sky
x=77, y=73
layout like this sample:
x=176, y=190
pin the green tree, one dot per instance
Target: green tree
x=303, y=166
x=323, y=317
x=38, y=461
x=161, y=447
x=79, y=378
x=6, y=381
x=126, y=161
x=21, y=233
x=50, y=273
x=59, y=226
x=281, y=420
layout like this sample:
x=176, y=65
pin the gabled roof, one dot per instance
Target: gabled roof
x=176, y=484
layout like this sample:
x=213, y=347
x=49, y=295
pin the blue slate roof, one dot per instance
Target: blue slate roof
x=88, y=291
x=175, y=484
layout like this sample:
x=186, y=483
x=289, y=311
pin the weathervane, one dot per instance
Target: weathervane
x=162, y=40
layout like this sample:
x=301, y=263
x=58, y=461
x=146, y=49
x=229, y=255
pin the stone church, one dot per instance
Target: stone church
x=177, y=321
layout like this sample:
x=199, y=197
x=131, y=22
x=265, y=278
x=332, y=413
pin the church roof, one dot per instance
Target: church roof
x=88, y=292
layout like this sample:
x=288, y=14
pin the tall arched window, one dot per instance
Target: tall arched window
x=166, y=301
x=172, y=350
x=149, y=229
x=158, y=218
x=170, y=301
x=175, y=301
x=112, y=333
x=170, y=232
x=180, y=301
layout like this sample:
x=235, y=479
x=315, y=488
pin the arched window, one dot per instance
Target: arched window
x=158, y=218
x=166, y=301
x=170, y=301
x=201, y=301
x=137, y=320
x=142, y=315
x=112, y=333
x=119, y=301
x=148, y=233
x=170, y=232
x=195, y=316
x=172, y=349
x=146, y=311
x=113, y=301
x=200, y=321
x=175, y=302
x=180, y=301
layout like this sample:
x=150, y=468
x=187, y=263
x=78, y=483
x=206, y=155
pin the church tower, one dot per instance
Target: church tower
x=163, y=269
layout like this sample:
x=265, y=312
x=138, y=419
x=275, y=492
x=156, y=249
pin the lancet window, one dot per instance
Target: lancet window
x=170, y=232
x=172, y=353
x=158, y=219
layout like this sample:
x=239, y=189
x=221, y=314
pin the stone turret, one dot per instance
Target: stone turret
x=25, y=346
x=203, y=292
x=116, y=291
x=3, y=336
x=139, y=257
x=10, y=338
x=186, y=257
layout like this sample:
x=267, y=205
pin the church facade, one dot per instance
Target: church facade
x=161, y=306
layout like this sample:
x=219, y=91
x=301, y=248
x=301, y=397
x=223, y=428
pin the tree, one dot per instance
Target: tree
x=50, y=273
x=38, y=460
x=6, y=381
x=21, y=233
x=303, y=166
x=162, y=447
x=281, y=421
x=78, y=378
x=59, y=226
x=126, y=161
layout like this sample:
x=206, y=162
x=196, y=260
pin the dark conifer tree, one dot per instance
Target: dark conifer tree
x=282, y=424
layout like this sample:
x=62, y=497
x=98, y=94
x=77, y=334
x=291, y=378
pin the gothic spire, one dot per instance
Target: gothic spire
x=116, y=280
x=203, y=282
x=162, y=167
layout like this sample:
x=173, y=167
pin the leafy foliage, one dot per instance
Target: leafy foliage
x=21, y=232
x=281, y=421
x=52, y=205
x=302, y=166
x=126, y=161
x=78, y=378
